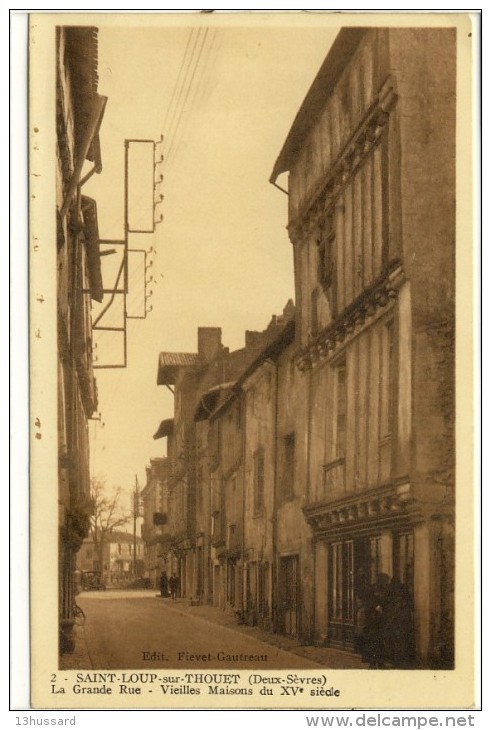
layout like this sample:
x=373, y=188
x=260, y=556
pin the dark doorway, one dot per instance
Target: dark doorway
x=289, y=592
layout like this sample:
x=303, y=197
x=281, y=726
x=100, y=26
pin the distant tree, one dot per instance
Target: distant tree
x=108, y=514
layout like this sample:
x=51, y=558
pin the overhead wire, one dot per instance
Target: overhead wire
x=199, y=86
x=183, y=85
x=185, y=82
x=136, y=295
x=186, y=97
x=173, y=113
x=175, y=106
x=176, y=84
x=179, y=98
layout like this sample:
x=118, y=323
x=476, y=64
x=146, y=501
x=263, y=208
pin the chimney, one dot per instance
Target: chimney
x=209, y=343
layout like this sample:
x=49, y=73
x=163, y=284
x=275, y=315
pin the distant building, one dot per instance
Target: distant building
x=251, y=423
x=158, y=507
x=204, y=522
x=118, y=563
x=79, y=112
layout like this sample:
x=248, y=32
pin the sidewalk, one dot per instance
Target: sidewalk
x=324, y=656
x=79, y=658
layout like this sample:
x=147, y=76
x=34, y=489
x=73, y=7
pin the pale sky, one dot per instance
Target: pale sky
x=223, y=257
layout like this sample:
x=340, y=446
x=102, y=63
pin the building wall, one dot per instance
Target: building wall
x=205, y=513
x=259, y=469
x=293, y=537
x=120, y=564
x=358, y=83
x=158, y=497
x=374, y=271
x=77, y=392
x=204, y=498
x=87, y=557
x=217, y=513
x=354, y=399
x=182, y=455
x=347, y=432
x=427, y=114
x=229, y=479
x=117, y=558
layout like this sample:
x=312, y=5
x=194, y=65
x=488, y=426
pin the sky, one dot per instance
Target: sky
x=224, y=98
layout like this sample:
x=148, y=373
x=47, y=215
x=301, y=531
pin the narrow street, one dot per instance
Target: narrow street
x=138, y=629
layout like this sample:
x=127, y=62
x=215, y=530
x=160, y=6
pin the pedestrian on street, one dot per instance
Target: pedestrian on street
x=164, y=585
x=361, y=591
x=174, y=586
x=375, y=622
x=399, y=628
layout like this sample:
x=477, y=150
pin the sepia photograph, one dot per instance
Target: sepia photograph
x=251, y=360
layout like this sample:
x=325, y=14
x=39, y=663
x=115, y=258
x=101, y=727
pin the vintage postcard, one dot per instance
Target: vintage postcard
x=251, y=361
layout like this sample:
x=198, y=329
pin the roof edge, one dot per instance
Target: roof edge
x=166, y=372
x=273, y=350
x=342, y=49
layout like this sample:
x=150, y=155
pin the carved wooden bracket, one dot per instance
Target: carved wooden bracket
x=357, y=148
x=354, y=316
x=387, y=504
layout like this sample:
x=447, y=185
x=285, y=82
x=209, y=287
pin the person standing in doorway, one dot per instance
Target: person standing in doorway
x=375, y=621
x=174, y=586
x=164, y=585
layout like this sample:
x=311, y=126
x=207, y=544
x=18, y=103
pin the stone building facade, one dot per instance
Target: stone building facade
x=79, y=110
x=119, y=566
x=320, y=459
x=371, y=162
x=158, y=508
x=204, y=466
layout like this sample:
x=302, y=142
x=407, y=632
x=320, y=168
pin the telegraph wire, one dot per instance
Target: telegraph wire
x=184, y=85
x=192, y=105
x=137, y=293
x=183, y=106
x=199, y=87
x=173, y=116
x=180, y=82
x=177, y=79
x=173, y=109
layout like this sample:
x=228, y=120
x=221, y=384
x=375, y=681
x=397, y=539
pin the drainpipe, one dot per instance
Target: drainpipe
x=222, y=593
x=244, y=443
x=274, y=572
